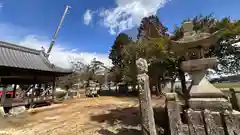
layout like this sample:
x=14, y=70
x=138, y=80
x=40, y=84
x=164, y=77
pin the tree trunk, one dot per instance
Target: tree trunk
x=151, y=90
x=109, y=87
x=116, y=87
x=134, y=86
x=184, y=87
x=183, y=82
x=182, y=77
x=172, y=86
x=172, y=83
x=134, y=75
x=155, y=84
x=159, y=88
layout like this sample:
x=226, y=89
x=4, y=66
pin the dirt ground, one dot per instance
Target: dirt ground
x=83, y=116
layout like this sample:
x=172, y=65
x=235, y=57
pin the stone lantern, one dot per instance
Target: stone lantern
x=202, y=94
x=209, y=111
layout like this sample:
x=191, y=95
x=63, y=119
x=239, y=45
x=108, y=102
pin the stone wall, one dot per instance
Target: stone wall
x=204, y=122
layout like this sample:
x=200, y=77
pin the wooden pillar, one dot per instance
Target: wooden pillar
x=53, y=88
x=45, y=89
x=31, y=96
x=14, y=90
x=4, y=92
x=2, y=111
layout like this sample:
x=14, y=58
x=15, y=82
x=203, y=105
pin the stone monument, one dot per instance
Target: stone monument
x=208, y=112
x=145, y=103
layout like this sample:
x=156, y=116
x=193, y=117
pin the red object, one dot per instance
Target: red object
x=8, y=92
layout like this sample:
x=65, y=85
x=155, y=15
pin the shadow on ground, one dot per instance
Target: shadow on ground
x=122, y=131
x=125, y=116
x=108, y=93
x=128, y=119
x=119, y=93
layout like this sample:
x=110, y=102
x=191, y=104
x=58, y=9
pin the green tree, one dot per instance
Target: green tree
x=86, y=72
x=154, y=39
x=116, y=55
x=68, y=81
x=129, y=62
x=152, y=27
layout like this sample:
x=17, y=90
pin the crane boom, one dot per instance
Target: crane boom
x=57, y=31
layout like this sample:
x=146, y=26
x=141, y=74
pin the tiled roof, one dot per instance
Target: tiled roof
x=16, y=56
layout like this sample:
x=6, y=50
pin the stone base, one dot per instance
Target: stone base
x=213, y=104
x=205, y=90
x=202, y=122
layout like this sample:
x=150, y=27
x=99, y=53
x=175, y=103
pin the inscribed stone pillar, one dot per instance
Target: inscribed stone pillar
x=147, y=115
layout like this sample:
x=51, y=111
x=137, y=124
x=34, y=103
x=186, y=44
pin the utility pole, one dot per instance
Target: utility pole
x=57, y=31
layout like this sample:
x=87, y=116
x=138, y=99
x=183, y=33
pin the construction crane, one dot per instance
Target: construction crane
x=57, y=31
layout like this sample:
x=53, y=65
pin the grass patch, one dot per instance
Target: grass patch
x=227, y=85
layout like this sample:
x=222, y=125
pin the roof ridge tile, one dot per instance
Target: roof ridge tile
x=19, y=47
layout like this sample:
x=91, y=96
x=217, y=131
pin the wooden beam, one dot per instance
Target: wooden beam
x=17, y=77
x=10, y=80
x=47, y=78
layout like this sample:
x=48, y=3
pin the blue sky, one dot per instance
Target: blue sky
x=33, y=22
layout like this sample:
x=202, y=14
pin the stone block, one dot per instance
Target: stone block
x=212, y=104
x=174, y=117
x=195, y=122
x=232, y=122
x=213, y=122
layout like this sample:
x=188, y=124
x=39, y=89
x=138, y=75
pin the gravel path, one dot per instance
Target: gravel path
x=86, y=116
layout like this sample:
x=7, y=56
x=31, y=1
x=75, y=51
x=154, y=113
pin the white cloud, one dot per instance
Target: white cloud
x=62, y=56
x=129, y=13
x=1, y=5
x=87, y=17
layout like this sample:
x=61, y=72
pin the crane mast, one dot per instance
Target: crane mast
x=57, y=31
